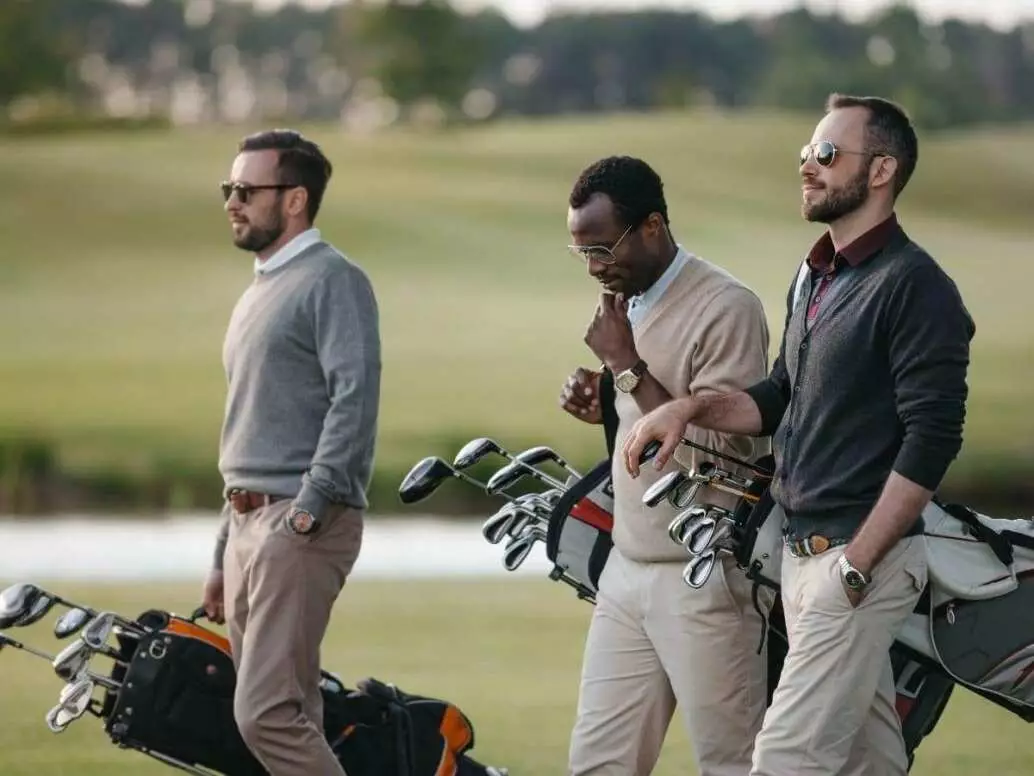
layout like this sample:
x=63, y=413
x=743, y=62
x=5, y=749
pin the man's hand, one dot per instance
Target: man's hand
x=212, y=598
x=852, y=595
x=609, y=335
x=666, y=425
x=581, y=396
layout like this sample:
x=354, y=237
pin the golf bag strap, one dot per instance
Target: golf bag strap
x=1000, y=545
x=610, y=414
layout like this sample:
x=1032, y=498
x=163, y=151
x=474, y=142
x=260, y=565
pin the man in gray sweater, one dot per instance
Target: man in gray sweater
x=303, y=365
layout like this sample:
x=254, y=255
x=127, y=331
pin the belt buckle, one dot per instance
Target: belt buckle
x=817, y=544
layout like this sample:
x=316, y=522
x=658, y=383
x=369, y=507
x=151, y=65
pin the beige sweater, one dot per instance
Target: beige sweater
x=706, y=334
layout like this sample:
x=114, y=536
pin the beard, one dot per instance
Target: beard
x=839, y=202
x=255, y=238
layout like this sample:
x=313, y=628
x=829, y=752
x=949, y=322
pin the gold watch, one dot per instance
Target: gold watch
x=628, y=380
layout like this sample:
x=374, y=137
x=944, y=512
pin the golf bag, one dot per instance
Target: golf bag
x=176, y=704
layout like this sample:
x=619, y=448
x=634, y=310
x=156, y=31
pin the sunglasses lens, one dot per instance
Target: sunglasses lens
x=227, y=190
x=824, y=153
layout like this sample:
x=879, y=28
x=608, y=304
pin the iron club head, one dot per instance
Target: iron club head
x=664, y=486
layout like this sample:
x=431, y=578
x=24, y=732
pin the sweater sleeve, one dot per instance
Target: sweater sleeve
x=347, y=341
x=730, y=354
x=772, y=394
x=928, y=334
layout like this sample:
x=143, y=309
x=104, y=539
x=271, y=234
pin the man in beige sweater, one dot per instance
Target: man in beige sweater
x=668, y=324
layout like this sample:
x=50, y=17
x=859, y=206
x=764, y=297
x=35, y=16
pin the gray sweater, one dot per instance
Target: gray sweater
x=303, y=364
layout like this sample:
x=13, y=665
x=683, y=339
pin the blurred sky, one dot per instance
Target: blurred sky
x=998, y=13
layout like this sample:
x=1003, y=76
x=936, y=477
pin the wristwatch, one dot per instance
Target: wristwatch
x=301, y=522
x=853, y=578
x=628, y=380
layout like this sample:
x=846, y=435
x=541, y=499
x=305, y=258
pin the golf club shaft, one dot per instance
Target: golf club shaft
x=726, y=456
x=7, y=641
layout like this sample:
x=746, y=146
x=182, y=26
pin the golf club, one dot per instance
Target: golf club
x=699, y=569
x=712, y=471
x=517, y=551
x=70, y=622
x=703, y=536
x=663, y=488
x=647, y=453
x=498, y=525
x=541, y=454
x=24, y=603
x=7, y=641
x=514, y=471
x=76, y=699
x=429, y=473
x=683, y=522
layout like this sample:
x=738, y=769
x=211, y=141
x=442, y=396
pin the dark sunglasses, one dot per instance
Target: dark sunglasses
x=824, y=153
x=244, y=190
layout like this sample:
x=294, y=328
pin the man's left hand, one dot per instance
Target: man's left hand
x=609, y=335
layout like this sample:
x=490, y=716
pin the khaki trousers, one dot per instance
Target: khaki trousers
x=833, y=711
x=655, y=642
x=279, y=592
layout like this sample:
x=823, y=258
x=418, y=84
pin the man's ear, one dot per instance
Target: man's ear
x=297, y=200
x=882, y=172
x=653, y=226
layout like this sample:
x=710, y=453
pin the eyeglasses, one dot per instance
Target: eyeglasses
x=600, y=253
x=244, y=190
x=824, y=153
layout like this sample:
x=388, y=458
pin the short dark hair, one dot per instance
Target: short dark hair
x=630, y=183
x=300, y=162
x=888, y=131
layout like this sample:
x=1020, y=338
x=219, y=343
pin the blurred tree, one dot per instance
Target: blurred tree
x=33, y=56
x=417, y=50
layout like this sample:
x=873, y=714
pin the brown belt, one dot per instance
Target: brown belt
x=247, y=500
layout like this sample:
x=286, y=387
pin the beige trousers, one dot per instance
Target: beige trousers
x=279, y=592
x=655, y=642
x=833, y=711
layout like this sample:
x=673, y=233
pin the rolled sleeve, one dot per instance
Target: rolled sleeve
x=929, y=332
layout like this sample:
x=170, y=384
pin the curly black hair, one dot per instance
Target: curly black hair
x=630, y=183
x=301, y=162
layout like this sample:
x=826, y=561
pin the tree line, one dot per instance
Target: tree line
x=89, y=54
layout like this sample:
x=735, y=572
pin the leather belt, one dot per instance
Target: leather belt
x=814, y=544
x=247, y=500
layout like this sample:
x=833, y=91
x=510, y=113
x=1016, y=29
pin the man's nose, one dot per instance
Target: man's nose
x=595, y=267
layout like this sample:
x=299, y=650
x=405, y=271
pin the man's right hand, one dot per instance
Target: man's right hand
x=666, y=425
x=212, y=598
x=581, y=396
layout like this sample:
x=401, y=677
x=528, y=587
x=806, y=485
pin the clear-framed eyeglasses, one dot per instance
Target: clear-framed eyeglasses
x=601, y=253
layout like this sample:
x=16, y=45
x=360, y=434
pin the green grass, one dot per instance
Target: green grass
x=507, y=651
x=119, y=276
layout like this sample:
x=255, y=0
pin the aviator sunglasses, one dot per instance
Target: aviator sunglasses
x=244, y=190
x=824, y=153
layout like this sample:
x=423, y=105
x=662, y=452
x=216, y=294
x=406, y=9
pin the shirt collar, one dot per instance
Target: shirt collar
x=824, y=257
x=290, y=250
x=641, y=303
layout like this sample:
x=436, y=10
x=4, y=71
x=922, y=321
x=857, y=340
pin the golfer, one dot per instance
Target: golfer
x=303, y=366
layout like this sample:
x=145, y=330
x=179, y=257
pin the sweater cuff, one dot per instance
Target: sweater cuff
x=312, y=500
x=771, y=405
x=924, y=466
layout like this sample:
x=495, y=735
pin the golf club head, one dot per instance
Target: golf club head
x=699, y=536
x=17, y=602
x=72, y=660
x=682, y=522
x=496, y=527
x=720, y=538
x=698, y=571
x=475, y=450
x=76, y=698
x=40, y=608
x=713, y=471
x=533, y=456
x=517, y=551
x=660, y=489
x=70, y=622
x=682, y=495
x=505, y=477
x=96, y=633
x=423, y=479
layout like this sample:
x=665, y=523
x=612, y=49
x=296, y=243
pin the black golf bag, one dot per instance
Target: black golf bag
x=176, y=705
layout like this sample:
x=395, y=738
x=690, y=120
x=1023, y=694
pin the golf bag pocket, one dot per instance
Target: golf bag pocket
x=578, y=539
x=988, y=645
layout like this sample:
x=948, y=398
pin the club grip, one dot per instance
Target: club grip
x=649, y=451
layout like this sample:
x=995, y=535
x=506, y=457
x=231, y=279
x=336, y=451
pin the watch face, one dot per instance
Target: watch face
x=854, y=580
x=301, y=522
x=626, y=382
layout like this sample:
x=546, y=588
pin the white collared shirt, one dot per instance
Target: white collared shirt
x=288, y=251
x=639, y=305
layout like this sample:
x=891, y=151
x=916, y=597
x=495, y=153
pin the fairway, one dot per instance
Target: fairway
x=507, y=652
x=119, y=275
